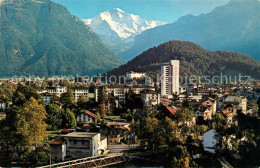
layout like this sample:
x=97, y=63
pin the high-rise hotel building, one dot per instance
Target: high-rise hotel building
x=170, y=78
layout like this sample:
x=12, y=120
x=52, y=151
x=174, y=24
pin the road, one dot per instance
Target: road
x=119, y=148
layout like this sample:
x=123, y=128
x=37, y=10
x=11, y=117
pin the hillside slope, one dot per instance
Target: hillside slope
x=39, y=37
x=194, y=60
x=232, y=27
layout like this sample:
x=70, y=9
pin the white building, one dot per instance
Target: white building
x=47, y=98
x=132, y=75
x=120, y=91
x=239, y=101
x=150, y=97
x=210, y=141
x=87, y=116
x=170, y=74
x=79, y=91
x=58, y=90
x=84, y=144
x=191, y=97
x=212, y=103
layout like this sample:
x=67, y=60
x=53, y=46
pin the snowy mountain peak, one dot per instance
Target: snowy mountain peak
x=119, y=10
x=118, y=26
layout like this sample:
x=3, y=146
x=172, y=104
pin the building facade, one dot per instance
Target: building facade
x=47, y=98
x=132, y=75
x=118, y=133
x=170, y=74
x=84, y=144
x=239, y=101
x=150, y=97
x=79, y=91
x=120, y=90
x=58, y=90
x=87, y=116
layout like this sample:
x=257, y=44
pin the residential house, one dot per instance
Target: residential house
x=239, y=101
x=206, y=109
x=87, y=117
x=230, y=111
x=212, y=103
x=170, y=111
x=118, y=132
x=150, y=97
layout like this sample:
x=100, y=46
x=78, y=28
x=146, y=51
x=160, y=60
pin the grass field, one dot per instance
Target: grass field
x=54, y=134
x=112, y=117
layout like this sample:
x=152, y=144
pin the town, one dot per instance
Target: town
x=160, y=122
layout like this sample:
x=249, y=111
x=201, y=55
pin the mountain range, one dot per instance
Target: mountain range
x=194, y=60
x=118, y=28
x=39, y=37
x=232, y=27
x=42, y=38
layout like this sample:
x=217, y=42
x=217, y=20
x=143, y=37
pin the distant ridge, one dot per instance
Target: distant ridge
x=232, y=27
x=194, y=60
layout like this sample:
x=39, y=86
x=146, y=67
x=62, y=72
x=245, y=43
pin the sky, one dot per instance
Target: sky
x=160, y=10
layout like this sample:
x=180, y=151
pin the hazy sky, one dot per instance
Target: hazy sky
x=161, y=10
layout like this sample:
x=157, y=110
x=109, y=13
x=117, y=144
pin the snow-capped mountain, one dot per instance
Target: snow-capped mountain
x=119, y=27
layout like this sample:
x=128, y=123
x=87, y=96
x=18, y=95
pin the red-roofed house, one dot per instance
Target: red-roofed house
x=87, y=116
x=118, y=132
x=171, y=110
x=229, y=111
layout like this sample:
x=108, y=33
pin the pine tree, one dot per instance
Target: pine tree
x=54, y=116
x=82, y=101
x=67, y=99
x=69, y=120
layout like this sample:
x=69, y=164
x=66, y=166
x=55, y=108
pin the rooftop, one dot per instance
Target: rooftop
x=171, y=110
x=46, y=94
x=81, y=134
x=91, y=114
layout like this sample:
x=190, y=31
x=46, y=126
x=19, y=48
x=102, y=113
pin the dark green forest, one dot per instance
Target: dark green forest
x=194, y=60
x=43, y=38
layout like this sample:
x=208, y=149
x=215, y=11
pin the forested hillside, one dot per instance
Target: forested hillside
x=43, y=38
x=194, y=60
